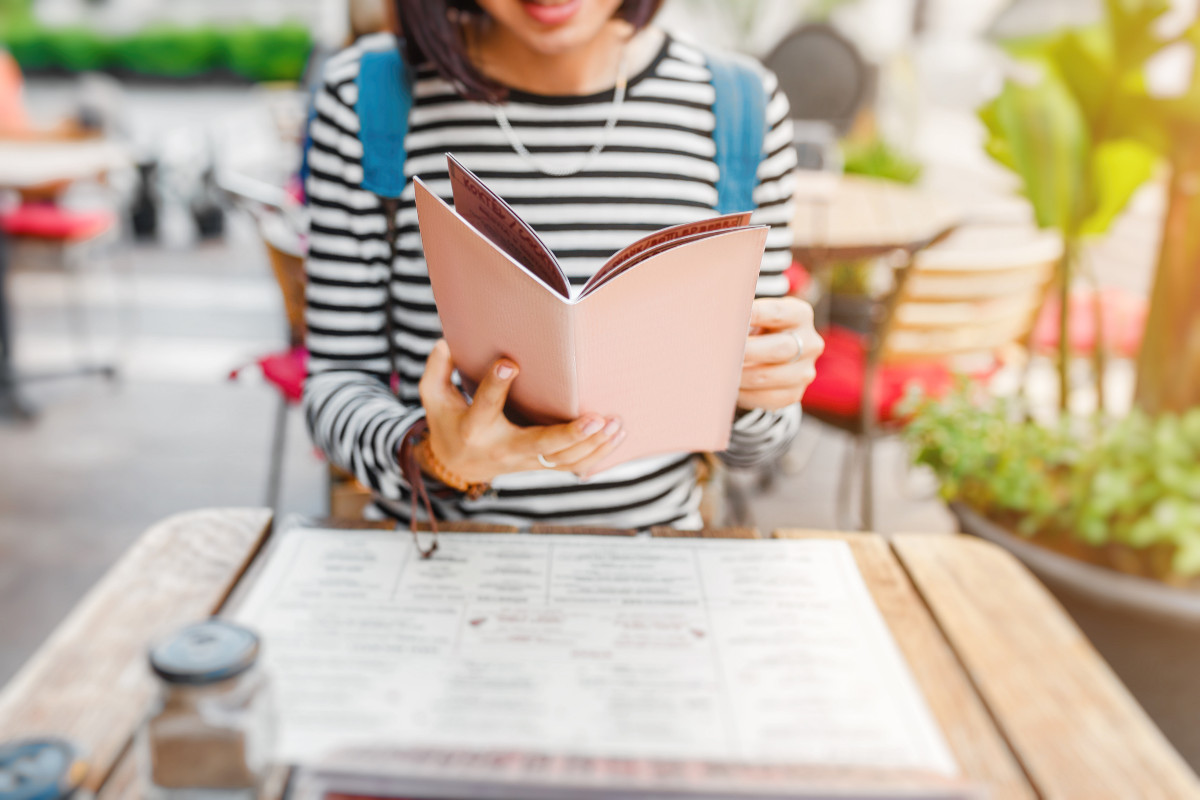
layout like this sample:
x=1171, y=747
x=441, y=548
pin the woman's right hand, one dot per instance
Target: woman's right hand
x=477, y=442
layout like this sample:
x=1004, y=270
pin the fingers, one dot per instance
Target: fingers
x=436, y=389
x=551, y=439
x=779, y=376
x=780, y=313
x=586, y=467
x=488, y=403
x=774, y=348
x=576, y=446
x=783, y=348
x=774, y=386
x=569, y=457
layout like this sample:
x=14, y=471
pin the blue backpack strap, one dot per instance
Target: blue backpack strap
x=384, y=101
x=740, y=111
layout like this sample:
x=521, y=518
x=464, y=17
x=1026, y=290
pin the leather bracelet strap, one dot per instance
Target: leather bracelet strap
x=411, y=469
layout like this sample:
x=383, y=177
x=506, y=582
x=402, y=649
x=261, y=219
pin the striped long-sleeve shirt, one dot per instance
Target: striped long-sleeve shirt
x=656, y=169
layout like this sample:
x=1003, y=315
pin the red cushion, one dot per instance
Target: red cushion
x=287, y=371
x=1123, y=320
x=48, y=221
x=798, y=279
x=838, y=387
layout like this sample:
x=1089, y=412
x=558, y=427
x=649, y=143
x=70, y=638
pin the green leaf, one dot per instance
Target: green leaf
x=1118, y=169
x=1186, y=560
x=1040, y=133
x=1084, y=60
x=1132, y=27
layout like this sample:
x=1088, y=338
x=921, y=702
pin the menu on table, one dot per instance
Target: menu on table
x=586, y=665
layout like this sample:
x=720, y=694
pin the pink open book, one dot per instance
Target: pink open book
x=656, y=337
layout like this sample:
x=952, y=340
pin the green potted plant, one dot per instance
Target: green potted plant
x=1106, y=512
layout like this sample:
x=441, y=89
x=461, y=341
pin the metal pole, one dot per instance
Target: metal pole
x=11, y=406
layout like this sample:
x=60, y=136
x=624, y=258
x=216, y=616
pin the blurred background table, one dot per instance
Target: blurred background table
x=1026, y=706
x=845, y=217
x=26, y=166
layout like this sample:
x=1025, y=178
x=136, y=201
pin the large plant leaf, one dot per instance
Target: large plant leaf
x=1118, y=168
x=1084, y=60
x=1039, y=131
x=1132, y=24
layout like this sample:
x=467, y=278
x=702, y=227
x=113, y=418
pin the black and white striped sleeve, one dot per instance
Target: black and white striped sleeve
x=353, y=416
x=761, y=436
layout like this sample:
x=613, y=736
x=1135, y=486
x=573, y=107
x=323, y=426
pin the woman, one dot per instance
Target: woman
x=524, y=93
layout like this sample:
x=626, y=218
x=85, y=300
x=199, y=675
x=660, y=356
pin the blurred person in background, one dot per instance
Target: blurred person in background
x=610, y=137
x=16, y=124
x=14, y=119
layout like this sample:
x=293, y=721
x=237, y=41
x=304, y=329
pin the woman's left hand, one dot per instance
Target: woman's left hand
x=781, y=354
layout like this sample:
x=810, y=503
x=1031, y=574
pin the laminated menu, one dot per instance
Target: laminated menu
x=656, y=337
x=536, y=666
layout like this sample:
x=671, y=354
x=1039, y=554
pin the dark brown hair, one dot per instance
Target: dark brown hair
x=432, y=32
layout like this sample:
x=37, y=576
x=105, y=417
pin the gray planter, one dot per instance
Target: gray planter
x=854, y=312
x=1147, y=631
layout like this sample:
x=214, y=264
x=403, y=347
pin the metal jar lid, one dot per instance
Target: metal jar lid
x=40, y=769
x=205, y=653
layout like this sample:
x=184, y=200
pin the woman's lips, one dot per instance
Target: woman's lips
x=551, y=13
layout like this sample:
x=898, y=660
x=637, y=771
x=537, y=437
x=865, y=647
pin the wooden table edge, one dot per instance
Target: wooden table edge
x=119, y=780
x=1155, y=770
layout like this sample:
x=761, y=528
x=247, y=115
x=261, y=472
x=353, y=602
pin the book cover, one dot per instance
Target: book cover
x=656, y=337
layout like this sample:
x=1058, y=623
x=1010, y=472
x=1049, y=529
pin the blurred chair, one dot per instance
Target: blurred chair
x=965, y=306
x=1122, y=323
x=46, y=233
x=282, y=224
x=823, y=75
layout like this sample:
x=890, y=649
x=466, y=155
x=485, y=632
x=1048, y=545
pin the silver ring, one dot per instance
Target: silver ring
x=799, y=347
x=546, y=462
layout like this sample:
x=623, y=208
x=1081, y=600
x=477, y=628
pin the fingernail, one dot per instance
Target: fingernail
x=620, y=438
x=592, y=426
x=504, y=372
x=612, y=427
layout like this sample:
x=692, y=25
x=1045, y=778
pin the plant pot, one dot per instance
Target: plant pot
x=853, y=311
x=1148, y=632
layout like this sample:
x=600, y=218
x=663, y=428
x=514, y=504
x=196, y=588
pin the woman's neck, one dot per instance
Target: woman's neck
x=589, y=69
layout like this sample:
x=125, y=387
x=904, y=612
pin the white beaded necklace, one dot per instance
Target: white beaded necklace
x=559, y=172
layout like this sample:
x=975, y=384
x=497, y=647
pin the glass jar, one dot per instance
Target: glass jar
x=210, y=732
x=40, y=769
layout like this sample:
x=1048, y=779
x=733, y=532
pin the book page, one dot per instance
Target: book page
x=496, y=220
x=659, y=239
x=683, y=651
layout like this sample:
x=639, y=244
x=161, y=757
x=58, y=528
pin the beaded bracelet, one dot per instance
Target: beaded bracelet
x=432, y=465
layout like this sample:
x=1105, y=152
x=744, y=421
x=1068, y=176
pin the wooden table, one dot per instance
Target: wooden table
x=1026, y=705
x=846, y=217
x=24, y=165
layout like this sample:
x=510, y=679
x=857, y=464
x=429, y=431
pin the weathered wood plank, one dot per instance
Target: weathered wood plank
x=978, y=746
x=706, y=533
x=1075, y=729
x=89, y=681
